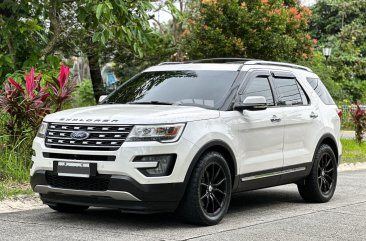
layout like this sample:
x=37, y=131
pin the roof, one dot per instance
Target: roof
x=219, y=63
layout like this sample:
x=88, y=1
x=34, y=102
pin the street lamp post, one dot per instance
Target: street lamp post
x=327, y=52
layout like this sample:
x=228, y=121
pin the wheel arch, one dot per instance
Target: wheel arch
x=221, y=147
x=330, y=141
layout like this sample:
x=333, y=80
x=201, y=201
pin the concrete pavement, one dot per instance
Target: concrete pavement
x=269, y=214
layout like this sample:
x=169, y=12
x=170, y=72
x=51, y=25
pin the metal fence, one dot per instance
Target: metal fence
x=349, y=108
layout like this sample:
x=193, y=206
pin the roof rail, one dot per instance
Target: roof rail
x=220, y=60
x=164, y=63
x=262, y=62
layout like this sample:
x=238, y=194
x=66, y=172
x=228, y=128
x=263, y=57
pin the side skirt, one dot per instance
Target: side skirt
x=273, y=177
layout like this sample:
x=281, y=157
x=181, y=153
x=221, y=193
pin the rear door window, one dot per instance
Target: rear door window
x=288, y=92
x=321, y=90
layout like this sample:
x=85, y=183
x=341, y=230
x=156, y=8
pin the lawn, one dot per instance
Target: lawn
x=352, y=152
x=11, y=189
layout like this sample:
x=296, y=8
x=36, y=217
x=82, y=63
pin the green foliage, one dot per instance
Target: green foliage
x=353, y=152
x=15, y=159
x=256, y=29
x=11, y=189
x=342, y=26
x=84, y=95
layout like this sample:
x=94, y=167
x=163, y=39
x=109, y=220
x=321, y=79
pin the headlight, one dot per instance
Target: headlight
x=42, y=130
x=161, y=133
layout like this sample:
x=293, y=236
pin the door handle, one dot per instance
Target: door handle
x=313, y=115
x=275, y=119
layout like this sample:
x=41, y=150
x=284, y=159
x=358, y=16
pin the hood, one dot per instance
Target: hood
x=133, y=114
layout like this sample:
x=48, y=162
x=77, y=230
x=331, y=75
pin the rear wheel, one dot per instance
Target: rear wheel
x=320, y=185
x=68, y=208
x=208, y=192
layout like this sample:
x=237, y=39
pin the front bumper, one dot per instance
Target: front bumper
x=123, y=193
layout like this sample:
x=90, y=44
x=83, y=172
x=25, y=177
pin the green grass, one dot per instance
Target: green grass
x=352, y=152
x=11, y=189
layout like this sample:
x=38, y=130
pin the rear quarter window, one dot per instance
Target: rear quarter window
x=321, y=90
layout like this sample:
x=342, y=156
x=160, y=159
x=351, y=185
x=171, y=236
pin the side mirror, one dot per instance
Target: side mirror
x=101, y=98
x=252, y=103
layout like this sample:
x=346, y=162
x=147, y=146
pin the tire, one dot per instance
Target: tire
x=68, y=208
x=320, y=185
x=208, y=193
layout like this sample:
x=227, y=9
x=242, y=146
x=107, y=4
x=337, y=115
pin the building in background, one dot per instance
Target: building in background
x=308, y=2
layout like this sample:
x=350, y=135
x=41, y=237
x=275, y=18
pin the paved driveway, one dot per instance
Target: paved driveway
x=269, y=214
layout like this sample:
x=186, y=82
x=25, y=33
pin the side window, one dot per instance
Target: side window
x=288, y=92
x=321, y=90
x=259, y=86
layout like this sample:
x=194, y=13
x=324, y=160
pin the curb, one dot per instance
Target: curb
x=20, y=203
x=352, y=166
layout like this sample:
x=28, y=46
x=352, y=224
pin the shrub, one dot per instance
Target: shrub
x=26, y=106
x=359, y=120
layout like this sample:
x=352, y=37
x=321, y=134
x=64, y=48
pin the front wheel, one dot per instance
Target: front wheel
x=208, y=192
x=320, y=185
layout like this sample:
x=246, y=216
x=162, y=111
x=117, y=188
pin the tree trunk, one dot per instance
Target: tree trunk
x=96, y=76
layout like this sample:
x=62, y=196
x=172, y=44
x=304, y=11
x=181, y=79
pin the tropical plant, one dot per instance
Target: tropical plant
x=27, y=105
x=359, y=120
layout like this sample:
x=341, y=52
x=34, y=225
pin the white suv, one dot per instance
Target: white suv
x=185, y=136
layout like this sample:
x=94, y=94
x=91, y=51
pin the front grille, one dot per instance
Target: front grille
x=99, y=183
x=101, y=137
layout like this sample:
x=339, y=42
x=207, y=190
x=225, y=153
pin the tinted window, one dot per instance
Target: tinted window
x=198, y=88
x=288, y=91
x=321, y=90
x=260, y=87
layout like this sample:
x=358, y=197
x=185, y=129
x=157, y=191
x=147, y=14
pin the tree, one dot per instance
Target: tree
x=69, y=26
x=342, y=26
x=270, y=30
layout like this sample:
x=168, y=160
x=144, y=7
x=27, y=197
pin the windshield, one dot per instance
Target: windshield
x=205, y=88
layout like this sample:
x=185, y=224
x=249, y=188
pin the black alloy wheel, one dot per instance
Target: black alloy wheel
x=208, y=192
x=326, y=171
x=213, y=189
x=319, y=186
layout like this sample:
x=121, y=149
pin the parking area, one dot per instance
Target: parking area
x=269, y=214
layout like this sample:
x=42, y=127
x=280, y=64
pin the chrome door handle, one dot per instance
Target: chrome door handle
x=275, y=119
x=313, y=115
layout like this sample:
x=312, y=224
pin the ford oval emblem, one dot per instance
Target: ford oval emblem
x=80, y=135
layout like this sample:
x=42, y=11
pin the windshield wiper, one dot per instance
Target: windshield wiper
x=153, y=102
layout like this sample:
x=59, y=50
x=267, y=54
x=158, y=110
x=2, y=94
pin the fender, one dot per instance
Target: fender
x=202, y=150
x=330, y=136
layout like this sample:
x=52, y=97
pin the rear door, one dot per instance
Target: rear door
x=300, y=118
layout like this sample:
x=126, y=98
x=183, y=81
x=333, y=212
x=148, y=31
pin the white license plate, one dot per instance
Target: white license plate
x=73, y=169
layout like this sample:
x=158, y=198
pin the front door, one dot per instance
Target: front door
x=260, y=133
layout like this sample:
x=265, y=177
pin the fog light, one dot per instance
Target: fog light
x=33, y=152
x=165, y=165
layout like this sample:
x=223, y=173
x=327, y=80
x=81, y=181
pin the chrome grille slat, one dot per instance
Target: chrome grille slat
x=102, y=137
x=99, y=132
x=68, y=138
